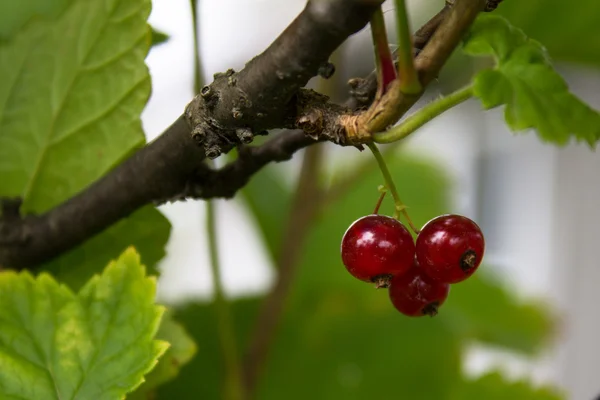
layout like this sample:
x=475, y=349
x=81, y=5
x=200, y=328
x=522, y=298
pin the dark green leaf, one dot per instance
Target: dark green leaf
x=146, y=229
x=524, y=80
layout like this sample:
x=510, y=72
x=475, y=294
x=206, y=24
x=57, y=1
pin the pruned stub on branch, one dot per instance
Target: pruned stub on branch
x=267, y=93
x=222, y=116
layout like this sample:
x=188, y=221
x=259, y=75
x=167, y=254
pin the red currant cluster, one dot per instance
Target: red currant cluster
x=379, y=249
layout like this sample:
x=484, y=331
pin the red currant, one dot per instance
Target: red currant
x=415, y=294
x=450, y=248
x=376, y=247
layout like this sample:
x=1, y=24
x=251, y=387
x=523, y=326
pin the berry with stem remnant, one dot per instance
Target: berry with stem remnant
x=415, y=294
x=377, y=247
x=450, y=248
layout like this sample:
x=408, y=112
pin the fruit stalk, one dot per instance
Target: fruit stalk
x=389, y=182
x=233, y=385
x=379, y=201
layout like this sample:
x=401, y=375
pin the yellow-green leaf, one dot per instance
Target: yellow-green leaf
x=97, y=344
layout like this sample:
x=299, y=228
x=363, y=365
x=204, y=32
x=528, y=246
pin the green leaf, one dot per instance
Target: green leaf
x=494, y=386
x=146, y=229
x=14, y=14
x=96, y=344
x=578, y=37
x=158, y=37
x=182, y=350
x=535, y=95
x=71, y=94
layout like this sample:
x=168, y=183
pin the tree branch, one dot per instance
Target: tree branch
x=259, y=97
x=171, y=167
x=237, y=106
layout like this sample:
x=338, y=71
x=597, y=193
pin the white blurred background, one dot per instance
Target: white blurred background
x=536, y=203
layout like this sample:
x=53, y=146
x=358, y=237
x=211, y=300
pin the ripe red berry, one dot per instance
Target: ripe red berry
x=376, y=247
x=415, y=294
x=450, y=248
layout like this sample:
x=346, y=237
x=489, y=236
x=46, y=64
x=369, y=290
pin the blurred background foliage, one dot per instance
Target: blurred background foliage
x=340, y=338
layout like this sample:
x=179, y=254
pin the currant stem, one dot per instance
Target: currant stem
x=409, y=80
x=386, y=72
x=424, y=115
x=198, y=78
x=381, y=197
x=233, y=386
x=389, y=182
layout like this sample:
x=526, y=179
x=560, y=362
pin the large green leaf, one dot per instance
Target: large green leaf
x=535, y=95
x=182, y=350
x=97, y=344
x=146, y=229
x=71, y=94
x=494, y=386
x=570, y=31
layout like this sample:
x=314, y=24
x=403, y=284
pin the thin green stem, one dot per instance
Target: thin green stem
x=409, y=80
x=424, y=115
x=386, y=72
x=233, y=385
x=379, y=201
x=198, y=81
x=400, y=207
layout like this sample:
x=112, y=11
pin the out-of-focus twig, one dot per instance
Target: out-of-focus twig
x=305, y=207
